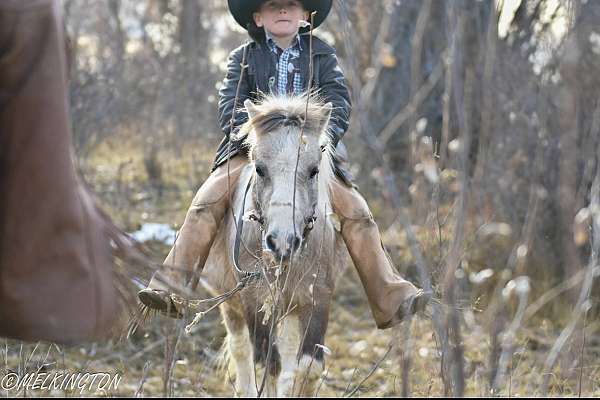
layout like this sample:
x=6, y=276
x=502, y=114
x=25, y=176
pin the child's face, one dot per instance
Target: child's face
x=280, y=17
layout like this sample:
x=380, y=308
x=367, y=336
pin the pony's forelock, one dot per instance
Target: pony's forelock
x=276, y=111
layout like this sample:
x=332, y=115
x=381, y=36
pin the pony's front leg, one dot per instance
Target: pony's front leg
x=313, y=325
x=299, y=336
x=240, y=349
x=241, y=352
x=288, y=341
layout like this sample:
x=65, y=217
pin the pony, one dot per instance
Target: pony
x=281, y=242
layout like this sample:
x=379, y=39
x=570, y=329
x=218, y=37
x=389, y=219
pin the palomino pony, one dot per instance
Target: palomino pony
x=285, y=246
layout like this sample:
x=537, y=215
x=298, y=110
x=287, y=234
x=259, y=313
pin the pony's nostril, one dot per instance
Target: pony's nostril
x=293, y=242
x=282, y=249
x=271, y=242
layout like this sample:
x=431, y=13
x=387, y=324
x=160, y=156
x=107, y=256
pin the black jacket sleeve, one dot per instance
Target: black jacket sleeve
x=334, y=90
x=228, y=91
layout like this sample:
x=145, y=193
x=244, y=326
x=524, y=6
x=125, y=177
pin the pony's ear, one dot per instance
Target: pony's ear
x=250, y=108
x=326, y=116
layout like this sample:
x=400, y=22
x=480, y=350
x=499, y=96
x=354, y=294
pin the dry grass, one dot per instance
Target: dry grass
x=356, y=345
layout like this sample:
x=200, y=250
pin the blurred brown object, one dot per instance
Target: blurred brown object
x=56, y=278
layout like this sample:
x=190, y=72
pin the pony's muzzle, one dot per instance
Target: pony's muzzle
x=282, y=245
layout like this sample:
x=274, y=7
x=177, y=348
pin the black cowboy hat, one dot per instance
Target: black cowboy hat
x=242, y=10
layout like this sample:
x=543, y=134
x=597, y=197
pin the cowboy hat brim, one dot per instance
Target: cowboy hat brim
x=242, y=11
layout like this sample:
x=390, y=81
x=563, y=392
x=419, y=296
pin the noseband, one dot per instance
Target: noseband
x=256, y=216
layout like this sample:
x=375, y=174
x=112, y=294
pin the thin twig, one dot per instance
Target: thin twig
x=371, y=372
x=581, y=359
x=406, y=360
x=552, y=294
x=294, y=188
x=415, y=73
x=140, y=390
x=454, y=258
x=302, y=126
x=323, y=377
x=274, y=317
x=591, y=273
x=509, y=337
x=350, y=381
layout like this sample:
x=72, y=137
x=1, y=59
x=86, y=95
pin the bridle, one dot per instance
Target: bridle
x=256, y=216
x=309, y=224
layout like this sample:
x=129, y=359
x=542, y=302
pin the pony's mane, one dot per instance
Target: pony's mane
x=276, y=111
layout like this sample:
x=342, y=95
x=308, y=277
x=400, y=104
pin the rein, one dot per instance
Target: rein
x=244, y=275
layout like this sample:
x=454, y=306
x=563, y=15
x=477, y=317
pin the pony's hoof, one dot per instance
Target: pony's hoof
x=159, y=300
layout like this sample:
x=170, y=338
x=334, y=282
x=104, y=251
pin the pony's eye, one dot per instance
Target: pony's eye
x=259, y=171
x=314, y=172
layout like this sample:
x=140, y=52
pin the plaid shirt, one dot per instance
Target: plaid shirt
x=288, y=74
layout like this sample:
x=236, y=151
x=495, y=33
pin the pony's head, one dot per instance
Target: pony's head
x=290, y=154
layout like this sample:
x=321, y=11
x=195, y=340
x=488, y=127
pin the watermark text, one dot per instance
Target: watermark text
x=66, y=381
